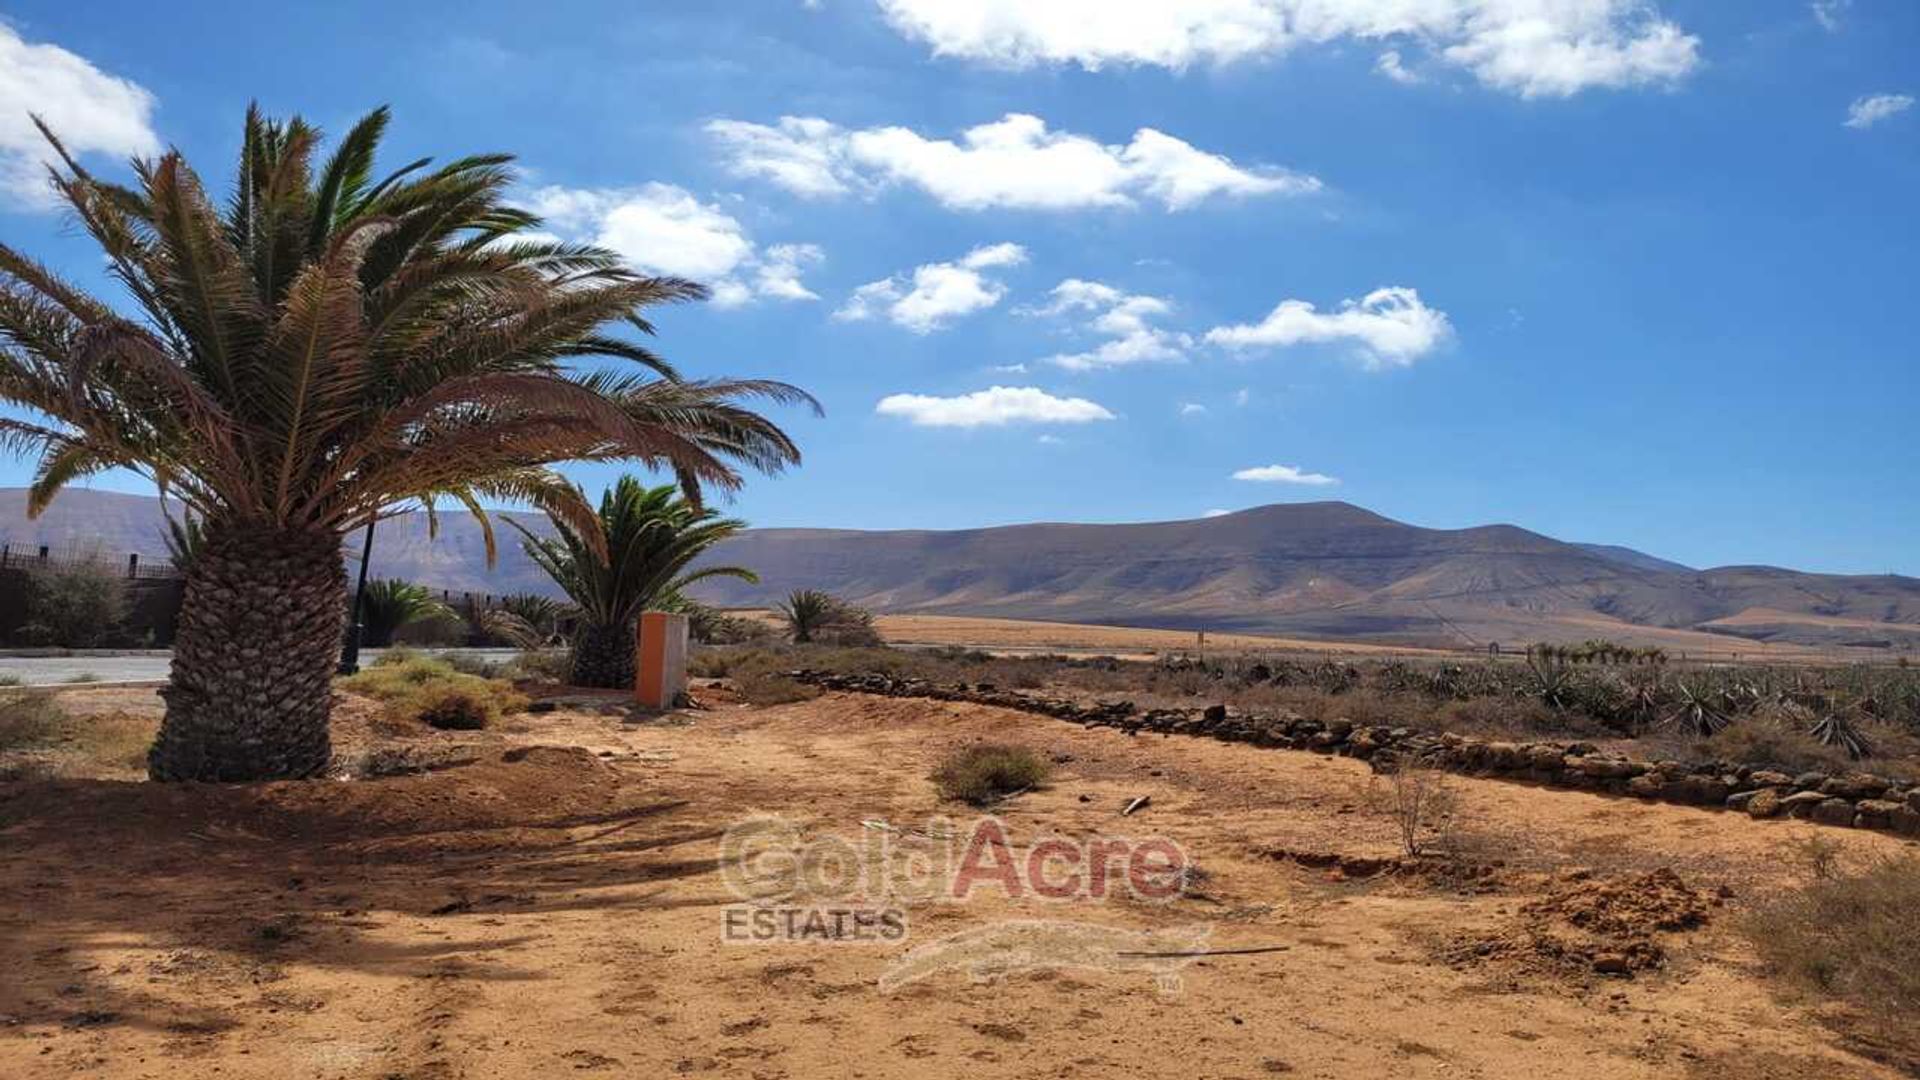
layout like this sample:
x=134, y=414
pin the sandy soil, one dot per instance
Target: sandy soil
x=555, y=907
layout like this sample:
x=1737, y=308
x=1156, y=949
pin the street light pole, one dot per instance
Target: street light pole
x=350, y=653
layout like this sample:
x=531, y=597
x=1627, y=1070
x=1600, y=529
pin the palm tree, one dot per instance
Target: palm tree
x=632, y=556
x=807, y=612
x=391, y=604
x=312, y=355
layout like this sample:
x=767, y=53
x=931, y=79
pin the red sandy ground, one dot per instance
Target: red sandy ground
x=556, y=911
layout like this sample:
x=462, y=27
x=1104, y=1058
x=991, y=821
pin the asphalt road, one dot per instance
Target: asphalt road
x=146, y=666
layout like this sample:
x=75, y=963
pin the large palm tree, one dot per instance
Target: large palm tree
x=631, y=556
x=321, y=350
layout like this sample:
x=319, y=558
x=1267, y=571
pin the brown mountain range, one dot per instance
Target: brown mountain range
x=1326, y=569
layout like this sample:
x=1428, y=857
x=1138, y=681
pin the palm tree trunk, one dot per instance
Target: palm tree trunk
x=253, y=660
x=603, y=657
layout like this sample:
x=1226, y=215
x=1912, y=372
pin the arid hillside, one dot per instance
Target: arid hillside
x=1325, y=570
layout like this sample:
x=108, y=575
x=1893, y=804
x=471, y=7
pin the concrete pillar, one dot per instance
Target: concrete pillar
x=660, y=659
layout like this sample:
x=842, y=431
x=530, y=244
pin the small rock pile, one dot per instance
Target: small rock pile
x=1857, y=800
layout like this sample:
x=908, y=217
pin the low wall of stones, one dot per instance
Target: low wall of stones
x=1855, y=800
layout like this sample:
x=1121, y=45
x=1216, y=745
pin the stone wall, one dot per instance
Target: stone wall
x=1855, y=800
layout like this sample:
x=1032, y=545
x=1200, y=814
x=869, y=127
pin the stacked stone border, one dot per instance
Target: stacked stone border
x=1855, y=800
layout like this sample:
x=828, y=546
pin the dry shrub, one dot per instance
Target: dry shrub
x=1852, y=936
x=764, y=688
x=429, y=691
x=986, y=773
x=1424, y=806
x=29, y=719
x=1766, y=740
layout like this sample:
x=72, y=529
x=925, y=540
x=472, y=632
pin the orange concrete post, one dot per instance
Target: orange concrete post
x=660, y=659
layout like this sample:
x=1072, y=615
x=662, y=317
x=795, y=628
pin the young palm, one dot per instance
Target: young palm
x=807, y=612
x=632, y=556
x=391, y=604
x=314, y=354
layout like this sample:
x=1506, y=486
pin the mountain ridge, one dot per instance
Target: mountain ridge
x=1319, y=569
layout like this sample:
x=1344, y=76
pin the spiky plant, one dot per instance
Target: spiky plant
x=1698, y=709
x=185, y=536
x=807, y=612
x=631, y=556
x=320, y=350
x=1837, y=729
x=390, y=604
x=540, y=615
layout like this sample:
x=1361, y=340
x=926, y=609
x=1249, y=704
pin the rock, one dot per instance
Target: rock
x=1905, y=821
x=1764, y=803
x=1834, y=811
x=1801, y=803
x=1647, y=786
x=1809, y=781
x=1913, y=800
x=1875, y=813
x=1769, y=778
x=1612, y=964
x=1214, y=714
x=1695, y=791
x=1855, y=786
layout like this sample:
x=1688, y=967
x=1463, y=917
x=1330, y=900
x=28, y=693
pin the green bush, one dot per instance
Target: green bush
x=988, y=772
x=78, y=607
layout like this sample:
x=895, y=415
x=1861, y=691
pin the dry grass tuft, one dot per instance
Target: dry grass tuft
x=986, y=773
x=40, y=739
x=431, y=692
x=1852, y=936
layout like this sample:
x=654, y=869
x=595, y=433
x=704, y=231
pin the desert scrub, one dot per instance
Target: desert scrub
x=429, y=691
x=29, y=719
x=989, y=772
x=1852, y=936
x=765, y=688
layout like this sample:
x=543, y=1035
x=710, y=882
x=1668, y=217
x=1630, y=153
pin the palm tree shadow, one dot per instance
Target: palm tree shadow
x=182, y=883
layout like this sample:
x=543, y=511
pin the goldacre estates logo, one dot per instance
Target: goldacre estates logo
x=801, y=887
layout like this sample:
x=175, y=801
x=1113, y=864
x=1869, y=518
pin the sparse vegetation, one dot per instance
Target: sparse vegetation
x=1424, y=805
x=986, y=773
x=1852, y=935
x=82, y=606
x=28, y=719
x=430, y=691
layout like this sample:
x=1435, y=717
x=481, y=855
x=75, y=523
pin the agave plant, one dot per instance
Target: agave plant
x=390, y=604
x=320, y=350
x=1698, y=709
x=1837, y=729
x=1552, y=675
x=631, y=556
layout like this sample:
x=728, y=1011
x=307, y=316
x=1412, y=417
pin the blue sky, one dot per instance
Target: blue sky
x=1614, y=271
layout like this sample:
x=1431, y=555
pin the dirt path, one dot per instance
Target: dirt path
x=559, y=911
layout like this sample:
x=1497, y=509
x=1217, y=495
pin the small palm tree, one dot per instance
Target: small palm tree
x=391, y=604
x=540, y=615
x=320, y=350
x=630, y=557
x=810, y=613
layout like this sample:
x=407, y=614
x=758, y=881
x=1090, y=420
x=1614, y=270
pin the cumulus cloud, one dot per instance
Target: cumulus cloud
x=935, y=294
x=996, y=406
x=92, y=112
x=1389, y=327
x=1868, y=111
x=1015, y=162
x=1393, y=67
x=1122, y=318
x=1284, y=474
x=1830, y=14
x=1192, y=408
x=1535, y=48
x=663, y=229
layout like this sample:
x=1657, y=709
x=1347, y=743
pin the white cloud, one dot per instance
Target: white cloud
x=1216, y=513
x=1241, y=397
x=1868, y=111
x=1830, y=14
x=1534, y=48
x=1389, y=327
x=995, y=406
x=1192, y=408
x=1284, y=474
x=937, y=293
x=663, y=229
x=91, y=111
x=1008, y=369
x=1051, y=440
x=1123, y=319
x=1014, y=162
x=1391, y=65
